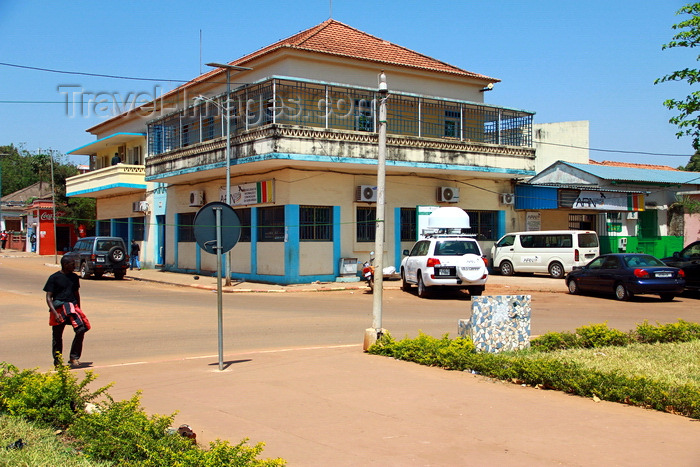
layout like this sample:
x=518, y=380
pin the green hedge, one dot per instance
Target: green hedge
x=527, y=368
x=599, y=335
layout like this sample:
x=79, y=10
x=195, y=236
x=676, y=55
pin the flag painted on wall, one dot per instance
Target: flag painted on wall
x=635, y=202
x=265, y=192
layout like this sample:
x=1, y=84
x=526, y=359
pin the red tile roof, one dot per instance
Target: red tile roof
x=632, y=165
x=335, y=38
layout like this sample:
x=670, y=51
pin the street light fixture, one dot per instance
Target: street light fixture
x=228, y=69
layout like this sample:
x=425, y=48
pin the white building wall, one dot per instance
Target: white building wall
x=560, y=141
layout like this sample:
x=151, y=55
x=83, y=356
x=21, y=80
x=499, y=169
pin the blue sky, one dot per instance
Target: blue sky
x=564, y=60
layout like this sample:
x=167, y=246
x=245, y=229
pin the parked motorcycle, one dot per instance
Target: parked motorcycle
x=368, y=271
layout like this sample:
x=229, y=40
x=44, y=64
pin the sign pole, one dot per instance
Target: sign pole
x=209, y=224
x=219, y=301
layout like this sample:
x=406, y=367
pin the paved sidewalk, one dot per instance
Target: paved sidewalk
x=496, y=283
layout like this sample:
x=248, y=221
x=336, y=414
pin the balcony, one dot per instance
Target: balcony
x=114, y=180
x=323, y=125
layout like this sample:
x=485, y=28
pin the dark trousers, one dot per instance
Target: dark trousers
x=76, y=348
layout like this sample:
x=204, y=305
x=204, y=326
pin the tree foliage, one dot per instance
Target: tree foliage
x=688, y=119
x=20, y=169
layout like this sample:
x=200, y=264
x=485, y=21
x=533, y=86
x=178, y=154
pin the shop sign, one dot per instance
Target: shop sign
x=533, y=221
x=249, y=193
x=608, y=201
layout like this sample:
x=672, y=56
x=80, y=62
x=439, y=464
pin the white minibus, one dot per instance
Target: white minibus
x=552, y=251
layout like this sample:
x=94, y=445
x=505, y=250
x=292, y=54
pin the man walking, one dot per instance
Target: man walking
x=135, y=250
x=63, y=299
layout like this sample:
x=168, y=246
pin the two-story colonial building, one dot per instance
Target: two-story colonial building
x=302, y=125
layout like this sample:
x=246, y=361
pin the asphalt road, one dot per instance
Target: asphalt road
x=133, y=320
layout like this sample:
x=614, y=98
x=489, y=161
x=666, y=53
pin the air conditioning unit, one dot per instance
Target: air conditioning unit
x=197, y=198
x=446, y=194
x=507, y=198
x=633, y=215
x=366, y=194
x=140, y=206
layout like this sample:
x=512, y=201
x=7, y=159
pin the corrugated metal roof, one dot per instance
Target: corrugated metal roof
x=588, y=188
x=628, y=174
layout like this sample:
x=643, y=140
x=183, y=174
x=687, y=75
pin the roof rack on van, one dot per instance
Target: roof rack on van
x=454, y=233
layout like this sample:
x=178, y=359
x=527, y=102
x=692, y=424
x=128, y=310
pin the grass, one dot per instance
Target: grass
x=43, y=448
x=672, y=363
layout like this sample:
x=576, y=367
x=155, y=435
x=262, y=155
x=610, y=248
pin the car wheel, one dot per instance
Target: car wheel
x=573, y=287
x=506, y=268
x=556, y=270
x=667, y=297
x=116, y=254
x=422, y=289
x=621, y=292
x=119, y=275
x=84, y=272
x=405, y=286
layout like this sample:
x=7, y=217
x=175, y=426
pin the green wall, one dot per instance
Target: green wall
x=660, y=247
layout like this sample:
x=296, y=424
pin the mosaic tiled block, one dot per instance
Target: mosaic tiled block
x=498, y=323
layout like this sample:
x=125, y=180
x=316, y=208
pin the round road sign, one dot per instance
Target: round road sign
x=205, y=227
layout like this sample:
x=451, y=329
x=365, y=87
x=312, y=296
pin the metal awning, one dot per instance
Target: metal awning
x=106, y=142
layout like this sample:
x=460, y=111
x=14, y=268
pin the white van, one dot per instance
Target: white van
x=552, y=251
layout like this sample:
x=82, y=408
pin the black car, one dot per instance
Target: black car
x=98, y=255
x=688, y=259
x=627, y=274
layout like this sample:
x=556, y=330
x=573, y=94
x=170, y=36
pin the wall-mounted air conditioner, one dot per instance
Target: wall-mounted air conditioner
x=197, y=198
x=507, y=198
x=633, y=215
x=140, y=206
x=446, y=194
x=366, y=193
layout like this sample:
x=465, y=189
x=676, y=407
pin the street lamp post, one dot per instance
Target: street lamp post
x=228, y=142
x=372, y=334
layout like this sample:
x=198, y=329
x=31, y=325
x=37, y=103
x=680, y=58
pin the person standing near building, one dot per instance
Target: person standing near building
x=116, y=159
x=135, y=250
x=63, y=298
x=3, y=239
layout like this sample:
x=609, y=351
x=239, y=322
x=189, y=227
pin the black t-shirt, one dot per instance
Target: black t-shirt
x=135, y=249
x=63, y=286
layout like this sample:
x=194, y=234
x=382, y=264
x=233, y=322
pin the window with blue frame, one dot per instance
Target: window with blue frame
x=244, y=218
x=316, y=223
x=366, y=223
x=185, y=227
x=139, y=225
x=271, y=224
x=408, y=225
x=484, y=224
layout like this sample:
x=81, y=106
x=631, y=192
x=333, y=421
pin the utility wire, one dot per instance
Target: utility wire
x=613, y=150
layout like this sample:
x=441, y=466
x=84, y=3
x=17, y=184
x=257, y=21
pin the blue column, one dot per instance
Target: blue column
x=501, y=225
x=397, y=238
x=176, y=236
x=253, y=241
x=291, y=246
x=336, y=240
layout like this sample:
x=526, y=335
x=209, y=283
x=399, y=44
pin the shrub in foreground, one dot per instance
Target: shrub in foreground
x=50, y=399
x=120, y=433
